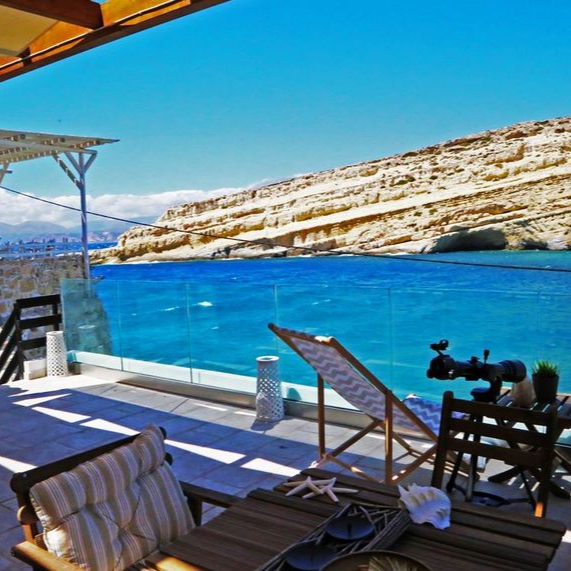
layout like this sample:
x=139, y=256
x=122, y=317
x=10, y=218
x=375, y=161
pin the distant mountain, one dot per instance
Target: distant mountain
x=30, y=229
x=99, y=229
x=101, y=225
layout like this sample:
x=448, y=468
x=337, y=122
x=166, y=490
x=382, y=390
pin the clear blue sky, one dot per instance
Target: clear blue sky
x=264, y=89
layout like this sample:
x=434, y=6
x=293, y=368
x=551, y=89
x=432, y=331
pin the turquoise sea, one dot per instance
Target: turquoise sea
x=214, y=315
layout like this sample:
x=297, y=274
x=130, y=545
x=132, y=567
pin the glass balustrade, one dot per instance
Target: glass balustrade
x=211, y=334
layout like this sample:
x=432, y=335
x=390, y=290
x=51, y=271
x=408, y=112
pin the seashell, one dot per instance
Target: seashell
x=426, y=505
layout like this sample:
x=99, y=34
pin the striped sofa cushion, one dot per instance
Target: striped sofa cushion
x=111, y=512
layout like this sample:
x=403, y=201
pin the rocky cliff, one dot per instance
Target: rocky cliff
x=507, y=188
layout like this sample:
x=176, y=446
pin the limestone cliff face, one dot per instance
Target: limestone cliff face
x=504, y=189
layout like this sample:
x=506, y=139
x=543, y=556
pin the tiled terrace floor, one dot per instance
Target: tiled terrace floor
x=214, y=445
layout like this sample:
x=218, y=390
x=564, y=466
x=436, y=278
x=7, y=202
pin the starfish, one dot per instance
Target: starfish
x=318, y=488
x=307, y=483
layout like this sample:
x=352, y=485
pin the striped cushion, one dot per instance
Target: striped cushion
x=111, y=512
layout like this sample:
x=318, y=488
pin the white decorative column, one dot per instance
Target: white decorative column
x=56, y=354
x=269, y=400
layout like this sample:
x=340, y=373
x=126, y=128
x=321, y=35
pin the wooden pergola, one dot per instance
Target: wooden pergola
x=34, y=33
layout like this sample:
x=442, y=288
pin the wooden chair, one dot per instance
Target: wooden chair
x=398, y=419
x=33, y=551
x=530, y=449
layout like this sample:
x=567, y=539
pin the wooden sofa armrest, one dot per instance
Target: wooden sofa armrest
x=41, y=559
x=197, y=495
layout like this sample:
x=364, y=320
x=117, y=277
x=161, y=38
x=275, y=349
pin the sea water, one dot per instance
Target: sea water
x=387, y=311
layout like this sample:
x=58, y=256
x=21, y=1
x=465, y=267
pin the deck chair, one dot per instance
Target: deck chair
x=400, y=420
x=104, y=480
x=497, y=432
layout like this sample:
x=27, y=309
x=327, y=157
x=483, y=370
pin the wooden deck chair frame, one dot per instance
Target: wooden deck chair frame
x=386, y=424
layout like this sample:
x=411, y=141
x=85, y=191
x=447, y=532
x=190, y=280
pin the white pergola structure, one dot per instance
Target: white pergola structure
x=73, y=154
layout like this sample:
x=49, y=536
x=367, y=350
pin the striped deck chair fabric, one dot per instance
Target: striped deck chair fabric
x=400, y=420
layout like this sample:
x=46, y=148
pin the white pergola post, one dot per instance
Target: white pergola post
x=4, y=171
x=80, y=165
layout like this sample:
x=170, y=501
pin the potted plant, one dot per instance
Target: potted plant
x=545, y=380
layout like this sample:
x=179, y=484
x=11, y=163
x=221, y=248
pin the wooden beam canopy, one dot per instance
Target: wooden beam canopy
x=83, y=13
x=79, y=25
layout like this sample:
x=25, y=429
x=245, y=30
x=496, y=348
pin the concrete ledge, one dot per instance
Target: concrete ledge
x=349, y=417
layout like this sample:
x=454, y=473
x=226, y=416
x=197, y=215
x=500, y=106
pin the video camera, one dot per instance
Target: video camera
x=445, y=368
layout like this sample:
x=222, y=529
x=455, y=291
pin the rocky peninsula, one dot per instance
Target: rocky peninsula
x=508, y=188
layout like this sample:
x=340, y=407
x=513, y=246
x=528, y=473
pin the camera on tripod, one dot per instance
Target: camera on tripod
x=445, y=368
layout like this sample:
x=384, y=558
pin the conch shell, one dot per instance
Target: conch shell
x=426, y=505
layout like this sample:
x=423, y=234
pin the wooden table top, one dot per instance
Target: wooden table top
x=563, y=404
x=266, y=523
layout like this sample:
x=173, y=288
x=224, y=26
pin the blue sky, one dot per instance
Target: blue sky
x=265, y=89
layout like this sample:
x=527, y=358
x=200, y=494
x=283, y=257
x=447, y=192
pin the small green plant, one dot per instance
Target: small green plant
x=545, y=369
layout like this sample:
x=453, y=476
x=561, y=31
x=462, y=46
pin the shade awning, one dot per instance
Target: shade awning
x=34, y=33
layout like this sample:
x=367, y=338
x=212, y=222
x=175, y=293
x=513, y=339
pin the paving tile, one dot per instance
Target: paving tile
x=118, y=411
x=291, y=443
x=144, y=418
x=217, y=429
x=284, y=450
x=175, y=425
x=224, y=488
x=247, y=441
x=188, y=467
x=199, y=438
x=97, y=389
x=236, y=476
x=8, y=538
x=44, y=453
x=206, y=411
x=90, y=438
x=8, y=519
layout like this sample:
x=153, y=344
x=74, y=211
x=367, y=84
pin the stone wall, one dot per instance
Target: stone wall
x=32, y=277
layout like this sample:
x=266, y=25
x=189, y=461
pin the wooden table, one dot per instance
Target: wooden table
x=562, y=403
x=266, y=523
x=562, y=451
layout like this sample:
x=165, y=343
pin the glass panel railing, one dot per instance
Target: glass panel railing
x=212, y=333
x=155, y=329
x=357, y=317
x=228, y=330
x=553, y=321
x=91, y=321
x=503, y=322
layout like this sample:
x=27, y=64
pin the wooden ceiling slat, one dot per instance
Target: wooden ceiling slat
x=84, y=13
x=120, y=18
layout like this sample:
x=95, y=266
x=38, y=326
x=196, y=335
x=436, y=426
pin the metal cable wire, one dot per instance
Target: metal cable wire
x=265, y=242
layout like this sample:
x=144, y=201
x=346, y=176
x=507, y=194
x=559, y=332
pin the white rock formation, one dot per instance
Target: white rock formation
x=504, y=189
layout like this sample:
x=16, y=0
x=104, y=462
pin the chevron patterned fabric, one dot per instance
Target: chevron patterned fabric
x=428, y=411
x=338, y=373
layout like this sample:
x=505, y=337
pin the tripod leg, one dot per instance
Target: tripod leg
x=527, y=486
x=473, y=473
x=459, y=457
x=451, y=484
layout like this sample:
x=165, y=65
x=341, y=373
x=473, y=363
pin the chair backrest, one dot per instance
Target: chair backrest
x=23, y=481
x=518, y=437
x=349, y=377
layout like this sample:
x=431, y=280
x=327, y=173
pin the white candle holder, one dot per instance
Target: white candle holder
x=269, y=400
x=56, y=354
